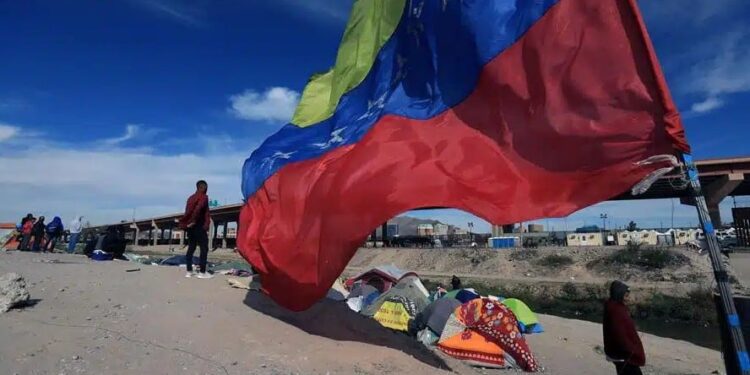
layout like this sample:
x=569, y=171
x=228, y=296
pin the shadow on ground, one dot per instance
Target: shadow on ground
x=334, y=320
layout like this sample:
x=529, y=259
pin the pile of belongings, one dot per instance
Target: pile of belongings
x=481, y=331
x=180, y=261
x=101, y=255
x=142, y=259
x=112, y=241
x=234, y=268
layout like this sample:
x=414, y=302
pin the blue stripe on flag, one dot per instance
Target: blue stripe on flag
x=458, y=37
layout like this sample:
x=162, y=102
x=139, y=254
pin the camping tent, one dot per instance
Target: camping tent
x=362, y=290
x=435, y=316
x=381, y=278
x=462, y=295
x=528, y=321
x=337, y=291
x=401, y=303
x=361, y=296
x=484, y=332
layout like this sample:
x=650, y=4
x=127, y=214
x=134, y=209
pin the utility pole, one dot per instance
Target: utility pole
x=728, y=312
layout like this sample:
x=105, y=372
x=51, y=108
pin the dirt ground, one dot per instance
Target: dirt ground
x=96, y=318
x=499, y=265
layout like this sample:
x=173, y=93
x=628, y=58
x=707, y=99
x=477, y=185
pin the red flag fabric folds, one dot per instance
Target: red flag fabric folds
x=547, y=111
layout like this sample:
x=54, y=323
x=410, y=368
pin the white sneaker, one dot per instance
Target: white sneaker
x=205, y=275
x=190, y=274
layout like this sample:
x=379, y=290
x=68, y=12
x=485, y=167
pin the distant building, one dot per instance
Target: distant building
x=585, y=239
x=460, y=232
x=536, y=228
x=425, y=230
x=645, y=237
x=683, y=236
x=441, y=229
x=392, y=230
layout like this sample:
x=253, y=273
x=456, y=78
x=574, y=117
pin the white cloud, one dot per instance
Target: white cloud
x=107, y=183
x=173, y=9
x=727, y=72
x=707, y=105
x=706, y=59
x=7, y=132
x=276, y=104
x=131, y=131
x=722, y=70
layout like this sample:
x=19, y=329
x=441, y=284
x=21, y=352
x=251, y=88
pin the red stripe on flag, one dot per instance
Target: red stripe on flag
x=556, y=124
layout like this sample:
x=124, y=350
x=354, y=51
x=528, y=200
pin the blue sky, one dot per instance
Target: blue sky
x=107, y=107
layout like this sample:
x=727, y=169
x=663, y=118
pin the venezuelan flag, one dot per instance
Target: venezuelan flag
x=509, y=109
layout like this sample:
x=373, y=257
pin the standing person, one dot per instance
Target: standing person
x=622, y=345
x=195, y=222
x=54, y=232
x=38, y=232
x=27, y=225
x=455, y=283
x=76, y=226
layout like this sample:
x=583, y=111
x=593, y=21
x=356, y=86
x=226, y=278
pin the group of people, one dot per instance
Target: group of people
x=36, y=235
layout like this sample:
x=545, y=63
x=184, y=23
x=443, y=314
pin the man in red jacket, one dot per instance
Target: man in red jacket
x=621, y=342
x=196, y=222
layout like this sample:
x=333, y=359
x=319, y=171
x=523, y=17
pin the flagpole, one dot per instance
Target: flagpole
x=720, y=273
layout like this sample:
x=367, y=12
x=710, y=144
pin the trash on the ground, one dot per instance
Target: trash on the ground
x=233, y=265
x=239, y=283
x=133, y=270
x=137, y=258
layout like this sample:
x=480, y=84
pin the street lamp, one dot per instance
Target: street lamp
x=604, y=222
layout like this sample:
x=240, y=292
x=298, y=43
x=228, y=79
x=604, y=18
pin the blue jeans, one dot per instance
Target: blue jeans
x=73, y=242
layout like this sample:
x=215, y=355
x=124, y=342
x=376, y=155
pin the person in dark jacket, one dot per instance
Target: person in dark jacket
x=455, y=283
x=27, y=224
x=54, y=232
x=622, y=345
x=196, y=222
x=38, y=233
